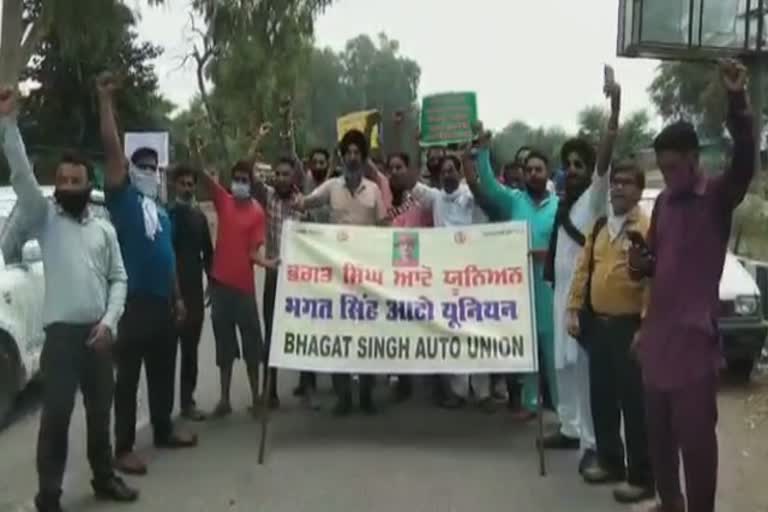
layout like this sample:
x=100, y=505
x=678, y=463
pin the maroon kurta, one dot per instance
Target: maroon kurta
x=679, y=350
x=689, y=234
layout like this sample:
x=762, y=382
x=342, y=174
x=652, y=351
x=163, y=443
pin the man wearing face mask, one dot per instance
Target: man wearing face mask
x=241, y=230
x=353, y=200
x=194, y=256
x=154, y=302
x=279, y=208
x=85, y=287
x=584, y=199
x=678, y=344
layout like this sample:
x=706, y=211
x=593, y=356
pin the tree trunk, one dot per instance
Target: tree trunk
x=213, y=119
x=10, y=41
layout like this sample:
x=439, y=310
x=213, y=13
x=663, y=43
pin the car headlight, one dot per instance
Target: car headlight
x=746, y=306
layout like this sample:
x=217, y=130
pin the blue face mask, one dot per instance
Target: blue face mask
x=241, y=190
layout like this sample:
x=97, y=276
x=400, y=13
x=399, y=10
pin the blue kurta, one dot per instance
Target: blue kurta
x=519, y=206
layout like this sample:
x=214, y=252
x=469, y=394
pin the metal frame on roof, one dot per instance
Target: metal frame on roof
x=748, y=30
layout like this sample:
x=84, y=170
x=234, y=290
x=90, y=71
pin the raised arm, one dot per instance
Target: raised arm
x=605, y=148
x=320, y=197
x=479, y=174
x=32, y=203
x=117, y=280
x=732, y=185
x=116, y=170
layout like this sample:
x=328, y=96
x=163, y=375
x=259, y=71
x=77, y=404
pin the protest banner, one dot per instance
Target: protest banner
x=448, y=118
x=367, y=121
x=353, y=299
x=380, y=300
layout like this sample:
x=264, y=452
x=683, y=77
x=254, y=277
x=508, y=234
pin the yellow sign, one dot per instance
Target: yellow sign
x=367, y=121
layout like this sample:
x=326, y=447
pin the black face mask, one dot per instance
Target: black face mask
x=73, y=202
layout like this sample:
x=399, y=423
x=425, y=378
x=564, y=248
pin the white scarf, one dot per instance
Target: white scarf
x=146, y=187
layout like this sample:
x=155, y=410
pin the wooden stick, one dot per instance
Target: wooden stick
x=265, y=414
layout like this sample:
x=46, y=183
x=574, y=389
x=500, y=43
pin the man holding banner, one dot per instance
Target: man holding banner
x=537, y=206
x=453, y=205
x=354, y=200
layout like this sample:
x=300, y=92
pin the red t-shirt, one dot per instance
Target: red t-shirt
x=241, y=229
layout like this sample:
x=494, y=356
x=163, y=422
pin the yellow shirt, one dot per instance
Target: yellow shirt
x=613, y=292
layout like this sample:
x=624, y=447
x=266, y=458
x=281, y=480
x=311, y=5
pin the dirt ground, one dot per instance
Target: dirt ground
x=743, y=436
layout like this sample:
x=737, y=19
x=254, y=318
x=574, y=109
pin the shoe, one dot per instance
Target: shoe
x=274, y=402
x=597, y=474
x=487, y=405
x=130, y=464
x=192, y=413
x=587, y=460
x=299, y=391
x=48, y=503
x=628, y=494
x=114, y=489
x=559, y=441
x=177, y=440
x=343, y=407
x=222, y=410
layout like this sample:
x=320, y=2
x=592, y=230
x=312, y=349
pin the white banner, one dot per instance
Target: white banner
x=381, y=300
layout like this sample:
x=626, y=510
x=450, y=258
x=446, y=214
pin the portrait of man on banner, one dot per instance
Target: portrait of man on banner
x=405, y=250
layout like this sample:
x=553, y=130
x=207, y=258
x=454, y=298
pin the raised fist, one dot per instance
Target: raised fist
x=106, y=83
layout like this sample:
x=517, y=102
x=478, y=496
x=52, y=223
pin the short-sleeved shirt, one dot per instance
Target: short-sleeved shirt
x=150, y=263
x=363, y=208
x=241, y=229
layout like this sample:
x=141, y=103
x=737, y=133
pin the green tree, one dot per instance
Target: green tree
x=516, y=134
x=254, y=53
x=25, y=23
x=635, y=132
x=364, y=76
x=62, y=112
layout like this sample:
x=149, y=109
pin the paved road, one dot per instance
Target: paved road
x=410, y=458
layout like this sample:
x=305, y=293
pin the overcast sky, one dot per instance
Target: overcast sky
x=540, y=61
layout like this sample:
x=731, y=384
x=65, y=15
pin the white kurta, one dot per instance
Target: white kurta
x=592, y=204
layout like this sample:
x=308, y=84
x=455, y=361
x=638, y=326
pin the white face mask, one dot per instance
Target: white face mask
x=146, y=182
x=241, y=190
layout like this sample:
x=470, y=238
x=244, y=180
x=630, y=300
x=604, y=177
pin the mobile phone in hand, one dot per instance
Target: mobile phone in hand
x=609, y=76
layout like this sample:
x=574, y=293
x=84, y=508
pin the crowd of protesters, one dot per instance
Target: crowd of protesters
x=626, y=320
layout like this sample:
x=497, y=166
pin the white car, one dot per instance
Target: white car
x=742, y=324
x=21, y=299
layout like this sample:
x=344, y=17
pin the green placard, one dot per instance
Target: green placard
x=448, y=118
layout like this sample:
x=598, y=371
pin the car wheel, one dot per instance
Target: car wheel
x=9, y=382
x=741, y=368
